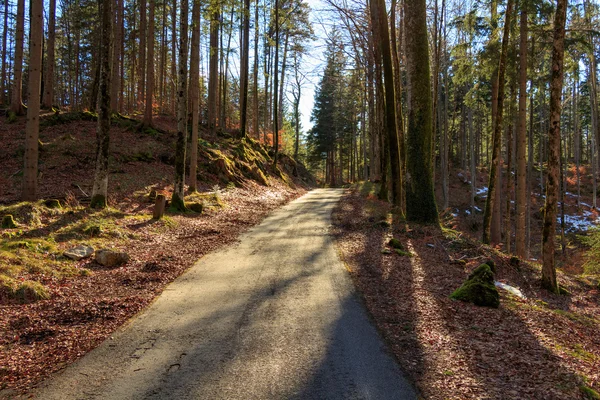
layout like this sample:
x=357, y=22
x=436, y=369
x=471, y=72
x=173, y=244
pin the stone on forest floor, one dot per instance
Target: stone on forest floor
x=479, y=288
x=196, y=207
x=79, y=252
x=110, y=258
x=8, y=222
x=52, y=203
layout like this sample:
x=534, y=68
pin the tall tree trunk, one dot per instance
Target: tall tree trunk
x=275, y=83
x=420, y=198
x=213, y=69
x=16, y=105
x=255, y=74
x=174, y=89
x=149, y=67
x=509, y=184
x=398, y=93
x=244, y=75
x=390, y=103
x=491, y=201
x=100, y=187
x=3, y=83
x=552, y=185
x=577, y=137
x=116, y=59
x=195, y=93
x=179, y=187
x=142, y=55
x=48, y=96
x=521, y=200
x=282, y=81
x=32, y=129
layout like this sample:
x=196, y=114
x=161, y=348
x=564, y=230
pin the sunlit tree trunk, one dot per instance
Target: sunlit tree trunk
x=142, y=55
x=32, y=128
x=3, y=83
x=552, y=186
x=245, y=66
x=116, y=59
x=149, y=67
x=195, y=93
x=100, y=186
x=16, y=105
x=179, y=187
x=48, y=96
x=213, y=69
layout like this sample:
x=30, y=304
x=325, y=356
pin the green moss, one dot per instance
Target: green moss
x=31, y=291
x=11, y=117
x=196, y=207
x=396, y=244
x=52, y=203
x=177, y=204
x=98, y=201
x=563, y=291
x=589, y=393
x=403, y=253
x=479, y=288
x=92, y=230
x=8, y=222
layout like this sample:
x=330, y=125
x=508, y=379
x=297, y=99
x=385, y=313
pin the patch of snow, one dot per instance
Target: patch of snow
x=511, y=289
x=478, y=209
x=579, y=223
x=585, y=204
x=481, y=191
x=467, y=212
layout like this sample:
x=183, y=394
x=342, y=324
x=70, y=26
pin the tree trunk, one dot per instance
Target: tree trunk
x=195, y=93
x=32, y=128
x=178, y=189
x=491, y=201
x=521, y=202
x=48, y=96
x=116, y=59
x=100, y=187
x=552, y=185
x=390, y=103
x=3, y=83
x=275, y=86
x=245, y=66
x=255, y=74
x=420, y=198
x=213, y=69
x=142, y=56
x=16, y=105
x=149, y=67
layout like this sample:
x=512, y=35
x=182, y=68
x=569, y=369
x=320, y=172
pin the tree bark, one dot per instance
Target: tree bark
x=552, y=184
x=420, y=199
x=491, y=201
x=149, y=67
x=48, y=96
x=100, y=187
x=521, y=200
x=142, y=56
x=3, y=83
x=16, y=105
x=245, y=66
x=195, y=93
x=390, y=103
x=32, y=128
x=116, y=59
x=177, y=200
x=213, y=73
x=275, y=86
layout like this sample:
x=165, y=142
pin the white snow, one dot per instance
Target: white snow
x=511, y=289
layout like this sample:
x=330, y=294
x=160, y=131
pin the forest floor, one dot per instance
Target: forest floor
x=53, y=310
x=541, y=346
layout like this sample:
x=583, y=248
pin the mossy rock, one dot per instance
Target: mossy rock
x=8, y=222
x=52, y=203
x=396, y=244
x=479, y=288
x=196, y=207
x=152, y=195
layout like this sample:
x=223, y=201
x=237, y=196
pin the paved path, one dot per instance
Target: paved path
x=273, y=317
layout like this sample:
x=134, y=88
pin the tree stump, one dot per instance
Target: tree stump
x=159, y=206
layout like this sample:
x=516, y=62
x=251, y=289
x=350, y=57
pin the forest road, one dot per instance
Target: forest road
x=274, y=316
